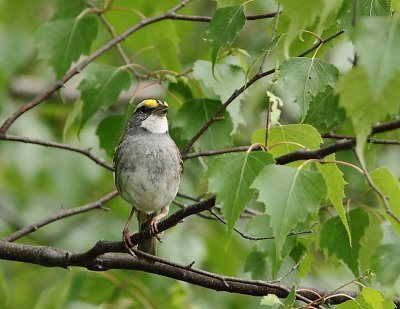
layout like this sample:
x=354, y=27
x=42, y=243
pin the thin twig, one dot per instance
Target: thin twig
x=62, y=213
x=207, y=19
x=31, y=140
x=245, y=236
x=328, y=296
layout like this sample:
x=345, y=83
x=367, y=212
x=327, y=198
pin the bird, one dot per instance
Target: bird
x=148, y=167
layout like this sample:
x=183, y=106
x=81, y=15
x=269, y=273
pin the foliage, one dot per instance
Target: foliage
x=305, y=191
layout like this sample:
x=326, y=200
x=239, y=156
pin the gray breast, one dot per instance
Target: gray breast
x=147, y=171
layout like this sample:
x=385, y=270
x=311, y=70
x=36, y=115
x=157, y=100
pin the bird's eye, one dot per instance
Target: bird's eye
x=144, y=109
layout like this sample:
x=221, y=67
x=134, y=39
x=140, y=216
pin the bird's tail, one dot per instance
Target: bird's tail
x=147, y=245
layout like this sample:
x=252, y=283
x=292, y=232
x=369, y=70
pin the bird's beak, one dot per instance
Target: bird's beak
x=161, y=110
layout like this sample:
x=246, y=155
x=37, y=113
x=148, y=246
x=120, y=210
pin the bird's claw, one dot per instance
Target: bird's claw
x=154, y=230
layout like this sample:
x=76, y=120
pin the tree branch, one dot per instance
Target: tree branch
x=31, y=140
x=207, y=19
x=62, y=213
x=53, y=257
x=345, y=142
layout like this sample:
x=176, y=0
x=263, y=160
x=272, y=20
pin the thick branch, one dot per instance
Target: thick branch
x=52, y=257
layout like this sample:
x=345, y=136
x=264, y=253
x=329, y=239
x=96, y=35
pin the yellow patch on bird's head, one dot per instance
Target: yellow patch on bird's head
x=150, y=103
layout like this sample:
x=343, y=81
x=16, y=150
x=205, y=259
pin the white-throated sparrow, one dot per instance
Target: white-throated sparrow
x=148, y=166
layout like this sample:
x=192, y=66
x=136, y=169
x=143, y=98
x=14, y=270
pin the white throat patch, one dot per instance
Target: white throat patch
x=155, y=124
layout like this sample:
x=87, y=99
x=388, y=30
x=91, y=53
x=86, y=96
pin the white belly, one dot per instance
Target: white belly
x=145, y=195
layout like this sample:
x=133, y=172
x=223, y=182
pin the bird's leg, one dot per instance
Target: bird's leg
x=125, y=233
x=156, y=219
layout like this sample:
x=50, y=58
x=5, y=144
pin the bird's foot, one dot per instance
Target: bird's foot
x=126, y=238
x=153, y=228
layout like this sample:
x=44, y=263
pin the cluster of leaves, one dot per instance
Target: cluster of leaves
x=290, y=198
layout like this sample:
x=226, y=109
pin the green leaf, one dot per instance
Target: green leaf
x=62, y=42
x=165, y=41
x=384, y=263
x=289, y=300
x=300, y=79
x=69, y=9
x=100, y=87
x=335, y=183
x=324, y=112
x=358, y=100
x=290, y=195
x=194, y=114
x=387, y=183
x=259, y=226
x=377, y=40
x=339, y=245
x=301, y=13
x=286, y=135
x=272, y=302
x=109, y=131
x=223, y=28
x=229, y=77
x=366, y=8
x=372, y=239
x=368, y=299
x=255, y=264
x=230, y=176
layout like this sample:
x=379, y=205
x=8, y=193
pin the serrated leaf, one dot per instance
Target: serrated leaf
x=230, y=176
x=335, y=183
x=324, y=112
x=62, y=42
x=300, y=79
x=368, y=299
x=194, y=114
x=289, y=195
x=384, y=263
x=100, y=87
x=339, y=245
x=228, y=78
x=376, y=40
x=223, y=28
x=284, y=136
x=387, y=183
